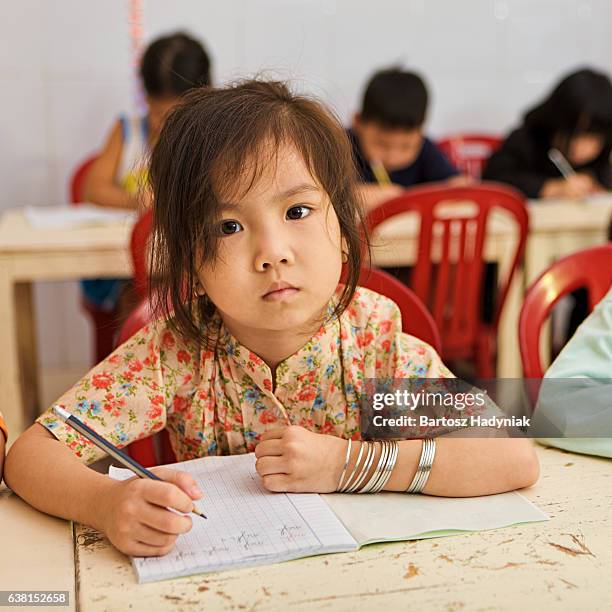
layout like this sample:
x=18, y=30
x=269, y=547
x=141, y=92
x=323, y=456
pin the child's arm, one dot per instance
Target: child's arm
x=100, y=186
x=294, y=459
x=132, y=513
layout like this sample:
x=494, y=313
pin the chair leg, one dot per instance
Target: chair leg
x=104, y=341
x=106, y=326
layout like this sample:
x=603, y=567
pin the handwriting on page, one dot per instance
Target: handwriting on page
x=246, y=524
x=244, y=521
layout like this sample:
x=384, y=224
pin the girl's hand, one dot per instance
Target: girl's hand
x=135, y=515
x=576, y=186
x=295, y=460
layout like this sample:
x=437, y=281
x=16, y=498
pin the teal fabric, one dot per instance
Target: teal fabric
x=580, y=405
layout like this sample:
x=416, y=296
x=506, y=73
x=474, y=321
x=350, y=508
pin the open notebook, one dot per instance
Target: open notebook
x=247, y=525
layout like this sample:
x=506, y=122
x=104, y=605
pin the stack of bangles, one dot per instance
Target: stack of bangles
x=358, y=482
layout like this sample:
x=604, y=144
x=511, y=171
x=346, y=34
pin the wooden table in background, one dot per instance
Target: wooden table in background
x=28, y=255
x=561, y=564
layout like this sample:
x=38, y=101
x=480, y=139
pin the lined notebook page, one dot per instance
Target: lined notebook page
x=246, y=524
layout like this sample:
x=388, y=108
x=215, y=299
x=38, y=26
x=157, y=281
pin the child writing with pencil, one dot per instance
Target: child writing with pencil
x=260, y=347
x=390, y=149
x=575, y=122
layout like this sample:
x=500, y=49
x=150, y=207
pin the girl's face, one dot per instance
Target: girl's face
x=279, y=257
x=584, y=148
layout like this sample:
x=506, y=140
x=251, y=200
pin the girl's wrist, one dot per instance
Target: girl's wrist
x=338, y=460
x=100, y=502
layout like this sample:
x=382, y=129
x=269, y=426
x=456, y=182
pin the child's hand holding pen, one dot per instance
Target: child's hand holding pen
x=135, y=515
x=573, y=185
x=141, y=516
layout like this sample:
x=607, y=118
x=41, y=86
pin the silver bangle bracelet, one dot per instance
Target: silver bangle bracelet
x=428, y=453
x=346, y=462
x=351, y=478
x=388, y=468
x=368, y=486
x=366, y=468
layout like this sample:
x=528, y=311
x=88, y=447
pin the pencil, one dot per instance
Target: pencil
x=109, y=448
x=562, y=165
x=380, y=173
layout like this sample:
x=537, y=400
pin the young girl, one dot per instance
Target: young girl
x=576, y=119
x=255, y=214
x=118, y=178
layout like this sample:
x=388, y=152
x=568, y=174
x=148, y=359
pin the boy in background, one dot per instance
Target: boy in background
x=390, y=149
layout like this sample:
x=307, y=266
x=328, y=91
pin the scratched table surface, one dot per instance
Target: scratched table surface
x=561, y=564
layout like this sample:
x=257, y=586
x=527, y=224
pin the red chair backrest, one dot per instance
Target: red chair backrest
x=469, y=152
x=139, y=248
x=590, y=268
x=416, y=319
x=450, y=251
x=77, y=181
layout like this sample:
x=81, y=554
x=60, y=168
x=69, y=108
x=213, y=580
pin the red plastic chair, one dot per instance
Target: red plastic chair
x=77, y=182
x=591, y=268
x=416, y=319
x=139, y=243
x=469, y=152
x=451, y=284
x=105, y=322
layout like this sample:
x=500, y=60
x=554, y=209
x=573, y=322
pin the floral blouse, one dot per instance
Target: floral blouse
x=219, y=401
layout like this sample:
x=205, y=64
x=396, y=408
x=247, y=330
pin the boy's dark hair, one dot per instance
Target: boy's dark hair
x=580, y=103
x=208, y=142
x=395, y=99
x=173, y=64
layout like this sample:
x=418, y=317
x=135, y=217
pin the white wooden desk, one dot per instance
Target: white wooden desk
x=36, y=550
x=562, y=564
x=28, y=255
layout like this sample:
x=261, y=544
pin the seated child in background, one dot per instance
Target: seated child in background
x=388, y=141
x=260, y=347
x=3, y=439
x=170, y=66
x=576, y=119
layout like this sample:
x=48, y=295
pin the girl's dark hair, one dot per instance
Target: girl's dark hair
x=208, y=142
x=580, y=103
x=395, y=99
x=173, y=64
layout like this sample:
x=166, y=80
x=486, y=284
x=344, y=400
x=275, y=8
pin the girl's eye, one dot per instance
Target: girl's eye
x=298, y=212
x=230, y=227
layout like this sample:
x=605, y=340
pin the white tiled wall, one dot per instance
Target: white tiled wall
x=65, y=73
